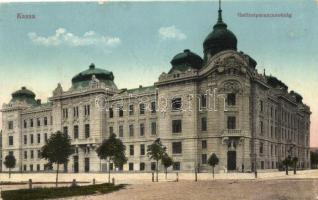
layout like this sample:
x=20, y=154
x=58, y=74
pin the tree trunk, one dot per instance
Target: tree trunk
x=9, y=172
x=57, y=174
x=295, y=169
x=213, y=172
x=157, y=171
x=166, y=170
x=109, y=171
x=286, y=169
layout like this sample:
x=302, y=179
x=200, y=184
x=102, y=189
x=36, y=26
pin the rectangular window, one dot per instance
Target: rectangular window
x=76, y=132
x=261, y=105
x=45, y=137
x=176, y=166
x=261, y=147
x=111, y=130
x=25, y=124
x=142, y=149
x=131, y=130
x=142, y=166
x=87, y=110
x=25, y=155
x=31, y=122
x=25, y=139
x=176, y=104
x=176, y=126
x=75, y=112
x=120, y=112
x=10, y=140
x=24, y=167
x=153, y=128
x=39, y=154
x=121, y=131
x=203, y=100
x=176, y=147
x=131, y=166
x=153, y=107
x=272, y=134
x=31, y=168
x=231, y=122
x=65, y=130
x=153, y=166
x=142, y=129
x=204, y=158
x=204, y=144
x=87, y=131
x=39, y=138
x=38, y=122
x=32, y=154
x=10, y=125
x=45, y=121
x=31, y=138
x=262, y=127
x=131, y=150
x=111, y=113
x=131, y=109
x=142, y=109
x=231, y=99
x=65, y=113
x=111, y=166
x=203, y=124
x=38, y=167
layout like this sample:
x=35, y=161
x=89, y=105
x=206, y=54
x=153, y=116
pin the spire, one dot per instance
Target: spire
x=220, y=13
x=220, y=22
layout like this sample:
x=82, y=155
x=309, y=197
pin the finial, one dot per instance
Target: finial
x=220, y=13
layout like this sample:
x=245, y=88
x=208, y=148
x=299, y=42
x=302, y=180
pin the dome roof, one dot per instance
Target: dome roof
x=24, y=95
x=220, y=38
x=185, y=60
x=83, y=78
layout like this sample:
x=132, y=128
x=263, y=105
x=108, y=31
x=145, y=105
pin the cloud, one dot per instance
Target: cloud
x=62, y=36
x=171, y=32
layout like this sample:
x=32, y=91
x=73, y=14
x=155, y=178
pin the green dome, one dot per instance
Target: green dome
x=186, y=60
x=219, y=39
x=82, y=79
x=24, y=95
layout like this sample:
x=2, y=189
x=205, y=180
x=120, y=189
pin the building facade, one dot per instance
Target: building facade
x=216, y=104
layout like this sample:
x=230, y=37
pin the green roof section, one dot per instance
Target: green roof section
x=83, y=78
x=186, y=60
x=23, y=95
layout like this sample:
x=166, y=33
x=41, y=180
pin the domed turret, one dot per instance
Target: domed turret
x=219, y=39
x=24, y=95
x=186, y=60
x=82, y=79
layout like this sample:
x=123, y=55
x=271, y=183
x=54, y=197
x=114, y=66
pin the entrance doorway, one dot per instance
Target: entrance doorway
x=75, y=158
x=231, y=160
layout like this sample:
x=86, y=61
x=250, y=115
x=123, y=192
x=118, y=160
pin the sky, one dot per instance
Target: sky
x=137, y=40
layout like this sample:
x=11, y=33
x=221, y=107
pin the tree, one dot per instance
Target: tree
x=166, y=161
x=57, y=150
x=286, y=163
x=156, y=151
x=112, y=150
x=10, y=162
x=294, y=162
x=213, y=161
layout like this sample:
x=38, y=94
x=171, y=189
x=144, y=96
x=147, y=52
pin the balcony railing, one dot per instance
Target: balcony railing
x=85, y=141
x=233, y=133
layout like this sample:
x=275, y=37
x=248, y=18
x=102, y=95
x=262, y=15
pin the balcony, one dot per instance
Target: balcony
x=85, y=141
x=233, y=133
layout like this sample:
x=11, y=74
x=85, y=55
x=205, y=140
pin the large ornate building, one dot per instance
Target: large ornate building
x=219, y=104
